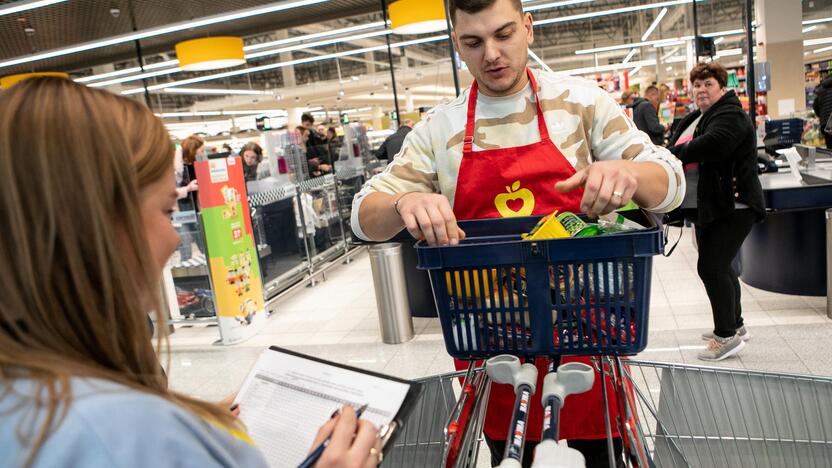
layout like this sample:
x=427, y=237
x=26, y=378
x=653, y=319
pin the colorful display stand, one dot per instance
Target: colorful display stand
x=232, y=256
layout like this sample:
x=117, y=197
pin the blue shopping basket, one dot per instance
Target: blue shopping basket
x=499, y=294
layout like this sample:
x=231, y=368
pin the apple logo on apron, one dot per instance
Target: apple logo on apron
x=515, y=201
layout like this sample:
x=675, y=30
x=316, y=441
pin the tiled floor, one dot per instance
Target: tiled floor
x=337, y=320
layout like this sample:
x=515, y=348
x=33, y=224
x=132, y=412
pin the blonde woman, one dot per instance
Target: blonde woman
x=80, y=381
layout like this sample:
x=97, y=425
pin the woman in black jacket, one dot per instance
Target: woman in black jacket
x=718, y=145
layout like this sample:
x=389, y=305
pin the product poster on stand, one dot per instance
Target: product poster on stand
x=231, y=250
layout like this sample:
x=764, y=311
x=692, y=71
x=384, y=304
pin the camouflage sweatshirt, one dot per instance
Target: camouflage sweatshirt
x=584, y=122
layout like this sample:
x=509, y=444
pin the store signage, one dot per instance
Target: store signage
x=234, y=267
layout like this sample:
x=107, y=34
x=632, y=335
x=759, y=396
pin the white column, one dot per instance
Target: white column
x=408, y=95
x=780, y=43
x=378, y=114
x=295, y=114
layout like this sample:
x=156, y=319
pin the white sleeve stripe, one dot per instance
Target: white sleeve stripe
x=675, y=191
x=354, y=222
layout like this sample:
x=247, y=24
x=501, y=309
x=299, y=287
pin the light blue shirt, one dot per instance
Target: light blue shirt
x=109, y=425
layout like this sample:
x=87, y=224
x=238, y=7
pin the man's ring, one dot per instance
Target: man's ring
x=377, y=453
x=617, y=194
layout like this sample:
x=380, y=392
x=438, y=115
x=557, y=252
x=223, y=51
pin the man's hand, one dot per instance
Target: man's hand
x=608, y=185
x=429, y=216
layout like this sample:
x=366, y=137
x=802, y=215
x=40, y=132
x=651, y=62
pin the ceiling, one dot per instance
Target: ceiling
x=365, y=78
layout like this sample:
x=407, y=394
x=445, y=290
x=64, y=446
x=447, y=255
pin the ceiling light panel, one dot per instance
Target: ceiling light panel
x=17, y=7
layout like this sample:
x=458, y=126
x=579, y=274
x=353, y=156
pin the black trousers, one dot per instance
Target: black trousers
x=594, y=451
x=719, y=242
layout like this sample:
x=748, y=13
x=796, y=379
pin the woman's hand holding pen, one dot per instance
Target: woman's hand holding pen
x=354, y=442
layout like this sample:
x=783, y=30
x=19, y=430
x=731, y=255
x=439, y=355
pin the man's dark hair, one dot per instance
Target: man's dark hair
x=651, y=89
x=307, y=117
x=715, y=70
x=475, y=6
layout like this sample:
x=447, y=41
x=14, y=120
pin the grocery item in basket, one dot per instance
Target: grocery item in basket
x=549, y=227
x=613, y=223
x=577, y=227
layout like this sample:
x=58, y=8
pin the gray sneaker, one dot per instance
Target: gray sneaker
x=721, y=348
x=742, y=332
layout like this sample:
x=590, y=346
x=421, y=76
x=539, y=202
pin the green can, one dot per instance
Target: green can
x=576, y=227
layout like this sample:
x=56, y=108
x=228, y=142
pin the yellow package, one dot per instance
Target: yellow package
x=549, y=227
x=464, y=287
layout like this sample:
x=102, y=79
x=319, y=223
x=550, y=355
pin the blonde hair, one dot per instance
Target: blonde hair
x=72, y=234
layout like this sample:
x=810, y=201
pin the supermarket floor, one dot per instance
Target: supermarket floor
x=337, y=320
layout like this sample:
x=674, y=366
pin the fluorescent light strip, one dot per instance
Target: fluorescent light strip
x=126, y=71
x=17, y=7
x=270, y=112
x=822, y=49
x=141, y=76
x=614, y=11
x=627, y=46
x=818, y=41
x=162, y=30
x=670, y=54
x=654, y=24
x=635, y=70
x=629, y=56
x=659, y=42
x=241, y=92
x=809, y=29
x=546, y=6
x=273, y=66
x=816, y=21
x=317, y=35
x=719, y=40
x=264, y=45
x=318, y=44
x=537, y=59
x=678, y=59
x=729, y=52
x=248, y=56
x=610, y=67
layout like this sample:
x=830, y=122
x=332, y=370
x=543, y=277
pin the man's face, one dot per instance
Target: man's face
x=494, y=44
x=653, y=98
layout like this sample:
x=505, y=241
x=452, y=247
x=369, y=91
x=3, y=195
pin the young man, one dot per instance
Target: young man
x=562, y=138
x=646, y=115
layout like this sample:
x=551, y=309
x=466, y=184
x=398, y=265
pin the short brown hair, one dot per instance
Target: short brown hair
x=651, y=89
x=190, y=146
x=475, y=6
x=715, y=70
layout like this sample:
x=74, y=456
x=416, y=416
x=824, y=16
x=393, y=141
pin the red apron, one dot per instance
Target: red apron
x=521, y=181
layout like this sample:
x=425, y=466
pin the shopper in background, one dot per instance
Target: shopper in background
x=316, y=147
x=823, y=107
x=627, y=97
x=226, y=148
x=393, y=143
x=646, y=114
x=252, y=155
x=718, y=145
x=317, y=167
x=80, y=380
x=193, y=148
x=584, y=155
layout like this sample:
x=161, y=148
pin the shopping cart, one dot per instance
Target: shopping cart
x=445, y=427
x=711, y=417
x=499, y=295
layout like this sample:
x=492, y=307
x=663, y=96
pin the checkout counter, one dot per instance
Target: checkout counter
x=787, y=253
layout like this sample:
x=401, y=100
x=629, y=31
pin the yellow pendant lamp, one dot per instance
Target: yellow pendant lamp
x=7, y=82
x=417, y=16
x=210, y=53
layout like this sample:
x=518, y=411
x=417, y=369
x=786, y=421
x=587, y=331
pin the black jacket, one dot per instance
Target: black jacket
x=725, y=146
x=823, y=101
x=646, y=119
x=393, y=144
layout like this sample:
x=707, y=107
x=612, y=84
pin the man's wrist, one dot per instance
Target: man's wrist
x=396, y=202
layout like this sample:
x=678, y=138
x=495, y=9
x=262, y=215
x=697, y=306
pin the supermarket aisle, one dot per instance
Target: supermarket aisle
x=337, y=320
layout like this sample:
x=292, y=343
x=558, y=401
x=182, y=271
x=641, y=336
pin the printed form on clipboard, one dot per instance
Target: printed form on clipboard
x=288, y=396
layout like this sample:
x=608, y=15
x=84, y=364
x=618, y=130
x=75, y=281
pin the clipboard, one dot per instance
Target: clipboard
x=287, y=396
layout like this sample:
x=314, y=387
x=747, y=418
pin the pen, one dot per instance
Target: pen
x=316, y=454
